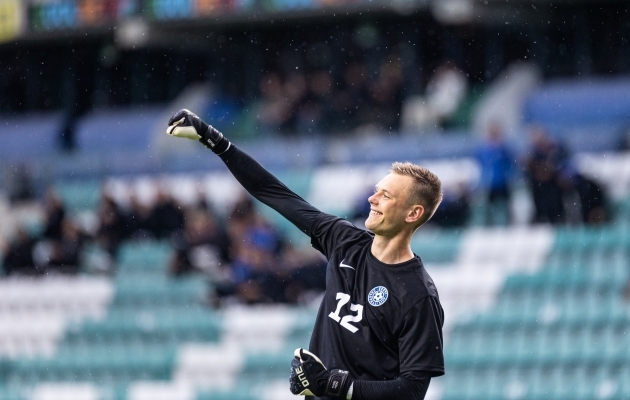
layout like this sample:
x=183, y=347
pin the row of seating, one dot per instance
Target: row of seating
x=148, y=316
x=574, y=309
x=558, y=333
x=580, y=382
x=512, y=349
x=55, y=292
x=94, y=364
x=569, y=280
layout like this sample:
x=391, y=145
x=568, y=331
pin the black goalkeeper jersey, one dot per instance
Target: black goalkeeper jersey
x=376, y=320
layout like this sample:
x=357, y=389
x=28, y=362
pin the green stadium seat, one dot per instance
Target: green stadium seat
x=465, y=384
x=456, y=388
x=141, y=275
x=12, y=393
x=152, y=326
x=437, y=247
x=236, y=394
x=149, y=293
x=78, y=196
x=111, y=389
x=151, y=250
x=624, y=381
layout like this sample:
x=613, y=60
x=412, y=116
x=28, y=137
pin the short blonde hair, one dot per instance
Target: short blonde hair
x=427, y=190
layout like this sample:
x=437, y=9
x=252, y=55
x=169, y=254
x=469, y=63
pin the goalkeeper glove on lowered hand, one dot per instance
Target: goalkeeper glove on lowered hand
x=309, y=377
x=188, y=125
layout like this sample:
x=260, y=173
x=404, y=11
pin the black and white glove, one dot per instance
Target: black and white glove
x=188, y=125
x=309, y=377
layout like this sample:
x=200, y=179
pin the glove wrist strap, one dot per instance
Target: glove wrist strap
x=215, y=141
x=337, y=384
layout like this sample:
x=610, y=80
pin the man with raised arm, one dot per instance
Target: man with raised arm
x=378, y=332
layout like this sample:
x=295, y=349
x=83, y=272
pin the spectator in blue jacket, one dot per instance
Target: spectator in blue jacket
x=497, y=170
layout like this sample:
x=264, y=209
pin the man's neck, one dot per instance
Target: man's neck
x=393, y=250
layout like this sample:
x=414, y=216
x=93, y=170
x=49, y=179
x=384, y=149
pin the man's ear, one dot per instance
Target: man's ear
x=414, y=215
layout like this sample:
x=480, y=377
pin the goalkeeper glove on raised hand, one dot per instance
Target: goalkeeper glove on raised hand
x=188, y=125
x=309, y=377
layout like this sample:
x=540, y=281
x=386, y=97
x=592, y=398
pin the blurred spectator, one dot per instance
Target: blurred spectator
x=444, y=93
x=240, y=217
x=314, y=114
x=307, y=274
x=138, y=219
x=166, y=216
x=255, y=275
x=65, y=253
x=386, y=96
x=593, y=200
x=18, y=255
x=20, y=184
x=256, y=270
x=545, y=165
x=295, y=92
x=497, y=169
x=111, y=228
x=454, y=210
x=274, y=111
x=318, y=102
x=351, y=101
x=55, y=214
x=202, y=246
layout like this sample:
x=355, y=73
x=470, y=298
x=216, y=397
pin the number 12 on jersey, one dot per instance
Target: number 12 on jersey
x=343, y=299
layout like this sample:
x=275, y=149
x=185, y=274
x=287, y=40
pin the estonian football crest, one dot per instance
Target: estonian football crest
x=378, y=296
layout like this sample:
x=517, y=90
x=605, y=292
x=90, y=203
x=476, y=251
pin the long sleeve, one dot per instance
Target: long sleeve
x=407, y=386
x=265, y=187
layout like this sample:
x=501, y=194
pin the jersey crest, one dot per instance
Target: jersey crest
x=378, y=296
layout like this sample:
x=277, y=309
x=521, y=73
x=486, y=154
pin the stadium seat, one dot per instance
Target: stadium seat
x=79, y=196
x=144, y=255
x=437, y=247
x=9, y=393
x=237, y=394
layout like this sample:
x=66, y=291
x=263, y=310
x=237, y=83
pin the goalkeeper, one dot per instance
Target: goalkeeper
x=378, y=332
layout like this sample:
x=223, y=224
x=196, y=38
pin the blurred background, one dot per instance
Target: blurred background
x=135, y=267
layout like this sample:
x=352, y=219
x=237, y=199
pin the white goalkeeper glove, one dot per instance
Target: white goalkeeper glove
x=188, y=125
x=309, y=377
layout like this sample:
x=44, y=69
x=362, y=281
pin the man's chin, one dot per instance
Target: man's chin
x=370, y=225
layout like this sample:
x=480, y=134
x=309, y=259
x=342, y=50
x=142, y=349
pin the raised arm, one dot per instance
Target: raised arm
x=259, y=182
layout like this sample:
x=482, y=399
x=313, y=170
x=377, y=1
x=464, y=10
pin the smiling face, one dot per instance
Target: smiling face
x=392, y=210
